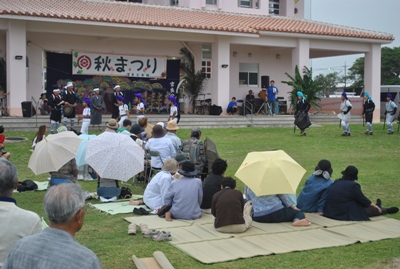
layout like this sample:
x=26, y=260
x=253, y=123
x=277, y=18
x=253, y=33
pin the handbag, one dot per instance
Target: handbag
x=126, y=193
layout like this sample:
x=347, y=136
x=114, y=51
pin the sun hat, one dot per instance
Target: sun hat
x=172, y=126
x=188, y=169
x=351, y=172
x=112, y=124
x=170, y=165
x=158, y=131
x=180, y=158
x=323, y=169
x=136, y=129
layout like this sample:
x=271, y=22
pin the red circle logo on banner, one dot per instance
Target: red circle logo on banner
x=84, y=62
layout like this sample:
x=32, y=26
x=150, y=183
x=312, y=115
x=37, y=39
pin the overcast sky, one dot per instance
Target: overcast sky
x=377, y=15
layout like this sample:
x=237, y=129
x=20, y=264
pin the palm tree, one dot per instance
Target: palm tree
x=310, y=88
x=194, y=80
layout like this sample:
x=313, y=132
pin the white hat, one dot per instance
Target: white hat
x=69, y=84
x=96, y=89
x=117, y=86
x=56, y=90
x=161, y=124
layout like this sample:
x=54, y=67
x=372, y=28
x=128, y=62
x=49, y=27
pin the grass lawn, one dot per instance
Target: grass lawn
x=376, y=157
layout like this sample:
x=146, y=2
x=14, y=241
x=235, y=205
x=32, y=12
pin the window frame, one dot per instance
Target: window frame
x=251, y=71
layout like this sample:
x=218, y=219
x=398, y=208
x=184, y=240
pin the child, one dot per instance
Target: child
x=126, y=126
x=85, y=117
x=40, y=135
x=2, y=139
x=232, y=106
x=173, y=110
x=123, y=110
x=139, y=108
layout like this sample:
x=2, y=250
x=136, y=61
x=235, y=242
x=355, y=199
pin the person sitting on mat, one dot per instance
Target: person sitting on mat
x=227, y=208
x=275, y=208
x=345, y=200
x=313, y=196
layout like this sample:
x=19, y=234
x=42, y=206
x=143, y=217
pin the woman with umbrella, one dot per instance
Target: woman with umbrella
x=301, y=115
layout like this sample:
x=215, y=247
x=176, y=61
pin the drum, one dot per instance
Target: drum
x=68, y=111
x=263, y=95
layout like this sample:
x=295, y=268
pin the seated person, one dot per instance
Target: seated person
x=250, y=99
x=126, y=127
x=184, y=195
x=161, y=144
x=155, y=191
x=212, y=184
x=275, y=208
x=16, y=222
x=108, y=189
x=227, y=208
x=193, y=149
x=232, y=106
x=313, y=196
x=55, y=246
x=3, y=153
x=136, y=134
x=345, y=200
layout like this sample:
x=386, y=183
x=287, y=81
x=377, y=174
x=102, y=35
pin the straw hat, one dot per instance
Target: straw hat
x=112, y=124
x=172, y=126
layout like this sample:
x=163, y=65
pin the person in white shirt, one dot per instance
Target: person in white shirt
x=139, y=108
x=163, y=145
x=85, y=117
x=173, y=110
x=123, y=110
x=172, y=127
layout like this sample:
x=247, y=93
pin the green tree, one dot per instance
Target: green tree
x=356, y=73
x=194, y=80
x=310, y=88
x=328, y=82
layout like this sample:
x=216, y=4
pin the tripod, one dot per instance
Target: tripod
x=265, y=106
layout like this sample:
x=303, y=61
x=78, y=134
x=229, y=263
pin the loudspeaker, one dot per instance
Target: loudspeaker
x=27, y=109
x=264, y=82
x=215, y=110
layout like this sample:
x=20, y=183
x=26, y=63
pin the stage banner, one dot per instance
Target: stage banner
x=118, y=65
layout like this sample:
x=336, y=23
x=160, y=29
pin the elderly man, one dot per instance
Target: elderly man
x=55, y=247
x=15, y=223
x=172, y=127
x=159, y=143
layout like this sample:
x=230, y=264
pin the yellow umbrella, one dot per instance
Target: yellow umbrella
x=270, y=172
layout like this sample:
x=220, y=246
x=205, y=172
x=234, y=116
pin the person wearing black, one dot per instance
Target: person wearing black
x=55, y=116
x=212, y=184
x=249, y=99
x=70, y=101
x=114, y=101
x=301, y=114
x=345, y=200
x=368, y=112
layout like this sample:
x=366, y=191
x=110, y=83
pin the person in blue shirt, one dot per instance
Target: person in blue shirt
x=232, y=107
x=313, y=196
x=272, y=91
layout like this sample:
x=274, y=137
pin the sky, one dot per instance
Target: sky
x=377, y=15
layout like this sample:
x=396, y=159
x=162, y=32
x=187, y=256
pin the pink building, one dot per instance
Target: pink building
x=236, y=42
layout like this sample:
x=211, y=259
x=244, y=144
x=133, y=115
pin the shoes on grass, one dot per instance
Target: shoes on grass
x=144, y=211
x=137, y=211
x=132, y=229
x=162, y=236
x=143, y=228
x=151, y=233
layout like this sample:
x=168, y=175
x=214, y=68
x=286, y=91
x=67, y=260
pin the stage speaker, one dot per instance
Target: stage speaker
x=215, y=110
x=27, y=109
x=264, y=82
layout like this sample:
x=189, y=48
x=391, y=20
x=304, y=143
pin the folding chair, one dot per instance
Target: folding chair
x=155, y=154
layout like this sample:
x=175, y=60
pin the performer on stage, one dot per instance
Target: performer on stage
x=97, y=106
x=123, y=110
x=55, y=117
x=70, y=100
x=301, y=114
x=390, y=112
x=344, y=115
x=173, y=109
x=114, y=101
x=368, y=112
x=272, y=91
x=139, y=108
x=85, y=116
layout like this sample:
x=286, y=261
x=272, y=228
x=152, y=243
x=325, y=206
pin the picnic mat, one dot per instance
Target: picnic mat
x=42, y=185
x=158, y=261
x=116, y=207
x=201, y=241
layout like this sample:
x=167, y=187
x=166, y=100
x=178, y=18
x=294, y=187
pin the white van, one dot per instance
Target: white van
x=394, y=90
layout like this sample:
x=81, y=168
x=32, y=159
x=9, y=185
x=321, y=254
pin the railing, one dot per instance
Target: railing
x=248, y=106
x=34, y=106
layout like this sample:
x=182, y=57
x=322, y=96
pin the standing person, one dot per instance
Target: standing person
x=114, y=101
x=173, y=109
x=56, y=105
x=368, y=112
x=344, y=115
x=85, y=116
x=123, y=110
x=227, y=208
x=139, y=107
x=301, y=114
x=272, y=91
x=16, y=223
x=70, y=100
x=55, y=246
x=232, y=106
x=390, y=112
x=40, y=135
x=96, y=105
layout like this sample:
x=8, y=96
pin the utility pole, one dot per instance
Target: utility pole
x=345, y=76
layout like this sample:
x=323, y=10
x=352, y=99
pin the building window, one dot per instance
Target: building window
x=273, y=7
x=249, y=3
x=174, y=2
x=211, y=2
x=206, y=55
x=248, y=74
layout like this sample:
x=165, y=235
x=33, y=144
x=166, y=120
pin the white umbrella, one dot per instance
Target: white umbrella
x=115, y=156
x=53, y=152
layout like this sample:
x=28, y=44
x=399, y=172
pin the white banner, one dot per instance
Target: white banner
x=118, y=65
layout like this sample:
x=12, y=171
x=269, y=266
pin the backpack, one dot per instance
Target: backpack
x=191, y=150
x=27, y=185
x=126, y=193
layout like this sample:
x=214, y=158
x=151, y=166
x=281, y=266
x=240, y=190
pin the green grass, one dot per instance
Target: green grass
x=377, y=158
